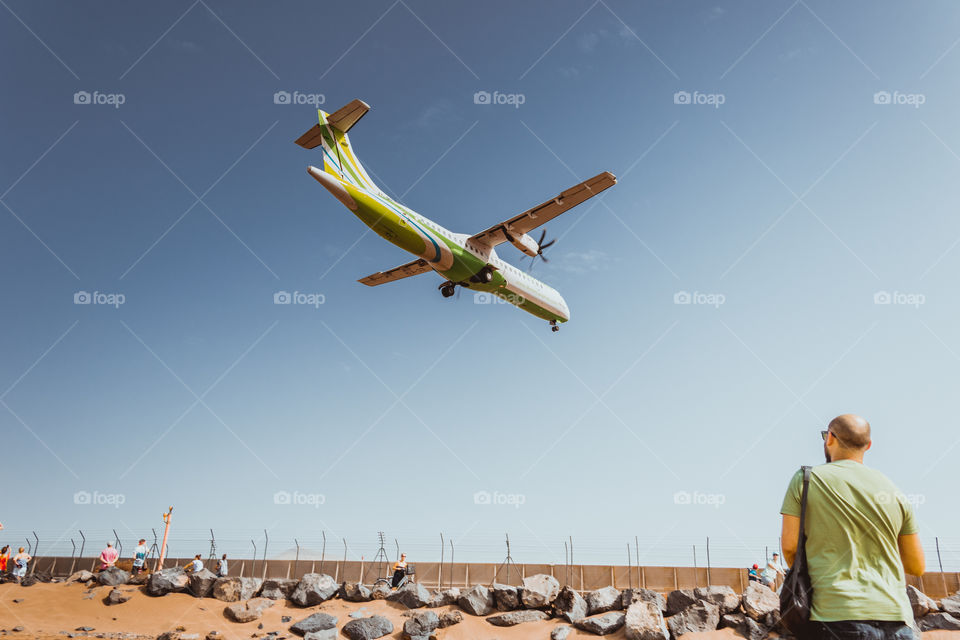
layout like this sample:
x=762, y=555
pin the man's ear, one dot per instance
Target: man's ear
x=869, y=444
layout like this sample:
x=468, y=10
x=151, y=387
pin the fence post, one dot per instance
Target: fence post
x=73, y=556
x=940, y=562
x=709, y=581
x=696, y=572
x=296, y=560
x=253, y=566
x=440, y=570
x=266, y=541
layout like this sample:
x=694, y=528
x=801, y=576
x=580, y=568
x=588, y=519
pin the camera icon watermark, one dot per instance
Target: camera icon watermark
x=715, y=300
x=114, y=100
x=899, y=298
x=914, y=100
x=99, y=298
x=915, y=500
x=299, y=98
x=96, y=498
x=699, y=498
x=498, y=498
x=299, y=298
x=511, y=99
x=714, y=100
x=297, y=498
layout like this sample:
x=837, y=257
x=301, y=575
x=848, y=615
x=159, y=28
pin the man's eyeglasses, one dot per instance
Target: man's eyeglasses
x=824, y=434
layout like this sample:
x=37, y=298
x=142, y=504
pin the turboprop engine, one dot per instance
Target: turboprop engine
x=526, y=244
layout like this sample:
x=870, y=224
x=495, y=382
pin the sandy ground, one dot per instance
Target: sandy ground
x=47, y=609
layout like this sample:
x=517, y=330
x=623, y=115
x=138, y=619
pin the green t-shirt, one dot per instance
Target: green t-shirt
x=854, y=516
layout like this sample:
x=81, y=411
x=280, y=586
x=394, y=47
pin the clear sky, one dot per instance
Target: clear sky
x=783, y=195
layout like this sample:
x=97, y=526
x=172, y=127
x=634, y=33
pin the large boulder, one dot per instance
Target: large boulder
x=354, y=592
x=477, y=600
x=680, y=599
x=277, y=588
x=201, y=583
x=317, y=622
x=116, y=596
x=380, y=591
x=450, y=618
x=165, y=581
x=234, y=589
x=421, y=625
x=702, y=616
x=644, y=621
x=759, y=600
x=412, y=595
x=603, y=600
x=630, y=596
x=113, y=577
x=743, y=626
x=313, y=589
x=569, y=605
x=726, y=599
x=505, y=597
x=937, y=621
x=512, y=618
x=80, y=576
x=603, y=624
x=367, y=628
x=539, y=591
x=922, y=603
x=247, y=611
x=951, y=604
x=444, y=597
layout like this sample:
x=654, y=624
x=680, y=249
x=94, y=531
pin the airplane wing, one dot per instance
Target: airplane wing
x=414, y=268
x=543, y=213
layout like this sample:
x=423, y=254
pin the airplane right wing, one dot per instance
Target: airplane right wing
x=414, y=268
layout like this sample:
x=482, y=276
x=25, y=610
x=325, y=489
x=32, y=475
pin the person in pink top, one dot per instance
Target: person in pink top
x=108, y=557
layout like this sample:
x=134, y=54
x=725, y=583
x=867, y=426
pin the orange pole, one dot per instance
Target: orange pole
x=166, y=532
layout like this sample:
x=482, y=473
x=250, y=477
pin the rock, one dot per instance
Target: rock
x=412, y=595
x=539, y=591
x=702, y=616
x=680, y=599
x=450, y=618
x=943, y=621
x=29, y=581
x=165, y=581
x=80, y=576
x=922, y=603
x=233, y=589
x=326, y=634
x=604, y=624
x=477, y=601
x=759, y=600
x=367, y=628
x=644, y=621
x=442, y=598
x=629, y=596
x=603, y=600
x=569, y=605
x=421, y=625
x=724, y=597
x=113, y=577
x=140, y=579
x=116, y=596
x=201, y=583
x=380, y=591
x=277, y=588
x=214, y=635
x=561, y=632
x=744, y=626
x=317, y=622
x=354, y=592
x=512, y=618
x=247, y=611
x=313, y=589
x=505, y=597
x=951, y=604
x=18, y=628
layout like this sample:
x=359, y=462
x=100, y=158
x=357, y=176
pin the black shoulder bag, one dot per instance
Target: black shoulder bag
x=796, y=596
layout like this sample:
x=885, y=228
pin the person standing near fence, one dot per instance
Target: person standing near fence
x=222, y=567
x=861, y=537
x=108, y=557
x=20, y=562
x=771, y=572
x=139, y=556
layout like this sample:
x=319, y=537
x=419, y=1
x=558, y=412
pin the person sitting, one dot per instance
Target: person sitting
x=195, y=565
x=222, y=567
x=754, y=574
x=399, y=571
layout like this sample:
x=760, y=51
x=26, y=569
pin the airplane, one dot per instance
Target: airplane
x=468, y=261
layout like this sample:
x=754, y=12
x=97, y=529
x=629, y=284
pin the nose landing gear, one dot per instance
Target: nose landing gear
x=553, y=326
x=447, y=289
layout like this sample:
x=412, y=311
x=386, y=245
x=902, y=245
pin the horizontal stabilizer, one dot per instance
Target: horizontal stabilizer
x=345, y=117
x=312, y=138
x=414, y=268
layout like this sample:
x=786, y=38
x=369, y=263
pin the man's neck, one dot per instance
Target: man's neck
x=852, y=457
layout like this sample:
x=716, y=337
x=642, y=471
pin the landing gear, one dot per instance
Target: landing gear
x=553, y=326
x=484, y=276
x=448, y=289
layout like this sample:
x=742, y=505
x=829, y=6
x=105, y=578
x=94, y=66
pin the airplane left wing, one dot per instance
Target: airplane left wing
x=414, y=268
x=543, y=213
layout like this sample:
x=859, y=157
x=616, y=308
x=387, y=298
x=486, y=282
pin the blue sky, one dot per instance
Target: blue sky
x=824, y=182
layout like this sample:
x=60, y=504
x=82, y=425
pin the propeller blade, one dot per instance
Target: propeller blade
x=544, y=246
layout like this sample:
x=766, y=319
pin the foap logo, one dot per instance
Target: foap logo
x=485, y=297
x=498, y=498
x=915, y=500
x=899, y=298
x=296, y=97
x=698, y=298
x=299, y=297
x=299, y=499
x=99, y=297
x=96, y=498
x=699, y=498
x=511, y=99
x=112, y=99
x=710, y=99
x=899, y=98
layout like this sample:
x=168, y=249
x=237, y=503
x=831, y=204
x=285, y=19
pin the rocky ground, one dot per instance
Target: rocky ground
x=172, y=605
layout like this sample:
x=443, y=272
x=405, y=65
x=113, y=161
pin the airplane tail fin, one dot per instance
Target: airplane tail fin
x=338, y=156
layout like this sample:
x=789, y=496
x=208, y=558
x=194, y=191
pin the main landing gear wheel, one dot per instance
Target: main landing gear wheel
x=447, y=290
x=484, y=276
x=553, y=326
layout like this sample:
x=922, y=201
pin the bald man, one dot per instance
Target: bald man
x=861, y=539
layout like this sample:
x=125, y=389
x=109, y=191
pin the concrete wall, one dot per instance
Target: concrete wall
x=430, y=574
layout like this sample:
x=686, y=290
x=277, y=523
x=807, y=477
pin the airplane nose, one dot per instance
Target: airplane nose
x=334, y=186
